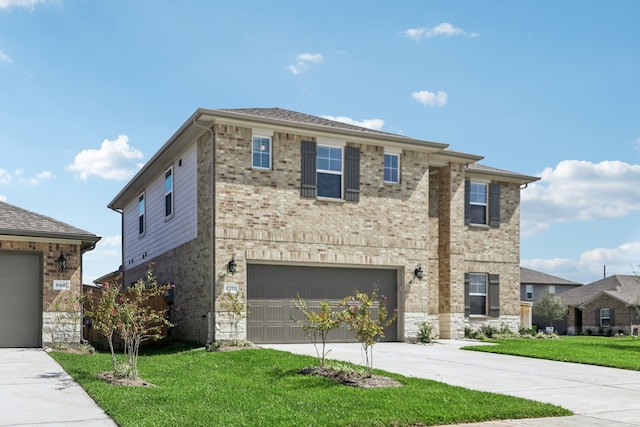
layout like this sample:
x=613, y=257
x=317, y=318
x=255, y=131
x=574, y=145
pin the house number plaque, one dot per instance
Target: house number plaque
x=61, y=285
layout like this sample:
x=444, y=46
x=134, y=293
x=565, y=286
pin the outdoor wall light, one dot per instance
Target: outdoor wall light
x=232, y=266
x=62, y=262
x=418, y=272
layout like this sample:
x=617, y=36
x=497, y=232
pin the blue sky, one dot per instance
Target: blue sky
x=89, y=90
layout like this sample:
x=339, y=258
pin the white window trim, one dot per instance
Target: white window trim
x=173, y=192
x=528, y=289
x=330, y=172
x=270, y=138
x=142, y=196
x=485, y=204
x=485, y=294
x=396, y=154
x=608, y=317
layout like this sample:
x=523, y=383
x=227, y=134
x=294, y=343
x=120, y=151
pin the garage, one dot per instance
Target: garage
x=272, y=291
x=21, y=302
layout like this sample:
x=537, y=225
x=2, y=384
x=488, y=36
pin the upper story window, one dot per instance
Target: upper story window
x=605, y=317
x=329, y=171
x=482, y=204
x=392, y=168
x=529, y=292
x=478, y=200
x=478, y=293
x=552, y=289
x=261, y=152
x=168, y=192
x=141, y=215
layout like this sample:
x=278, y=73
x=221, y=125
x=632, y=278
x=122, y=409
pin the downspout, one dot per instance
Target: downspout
x=211, y=336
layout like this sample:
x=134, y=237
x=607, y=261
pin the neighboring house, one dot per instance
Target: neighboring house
x=277, y=204
x=532, y=285
x=40, y=263
x=603, y=305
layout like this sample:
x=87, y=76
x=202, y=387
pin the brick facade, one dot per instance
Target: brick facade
x=258, y=216
x=60, y=318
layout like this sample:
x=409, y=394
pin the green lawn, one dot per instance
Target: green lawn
x=615, y=352
x=261, y=387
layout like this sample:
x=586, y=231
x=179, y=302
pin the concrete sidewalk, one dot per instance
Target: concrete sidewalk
x=36, y=391
x=598, y=396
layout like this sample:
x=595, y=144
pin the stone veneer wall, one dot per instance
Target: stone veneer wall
x=56, y=326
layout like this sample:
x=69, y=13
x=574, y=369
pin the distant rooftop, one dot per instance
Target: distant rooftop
x=533, y=277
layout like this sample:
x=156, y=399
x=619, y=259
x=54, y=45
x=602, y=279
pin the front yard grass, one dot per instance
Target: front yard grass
x=262, y=387
x=614, y=352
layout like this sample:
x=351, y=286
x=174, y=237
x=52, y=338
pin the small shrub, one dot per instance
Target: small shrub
x=589, y=331
x=489, y=331
x=609, y=332
x=425, y=332
x=600, y=330
x=621, y=332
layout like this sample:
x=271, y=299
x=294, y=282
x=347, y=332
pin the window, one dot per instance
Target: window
x=168, y=192
x=552, y=289
x=261, y=152
x=482, y=204
x=605, y=317
x=329, y=171
x=478, y=203
x=391, y=168
x=478, y=293
x=529, y=292
x=141, y=212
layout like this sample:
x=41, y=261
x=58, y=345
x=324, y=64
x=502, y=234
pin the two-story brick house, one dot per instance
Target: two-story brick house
x=276, y=204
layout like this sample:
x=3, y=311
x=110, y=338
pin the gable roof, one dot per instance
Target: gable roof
x=533, y=277
x=624, y=288
x=15, y=221
x=292, y=121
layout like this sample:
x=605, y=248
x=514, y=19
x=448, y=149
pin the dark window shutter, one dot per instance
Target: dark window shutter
x=308, y=169
x=494, y=295
x=352, y=175
x=494, y=205
x=467, y=302
x=612, y=319
x=598, y=318
x=467, y=202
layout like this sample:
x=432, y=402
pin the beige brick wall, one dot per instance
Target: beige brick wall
x=260, y=217
x=56, y=328
x=591, y=314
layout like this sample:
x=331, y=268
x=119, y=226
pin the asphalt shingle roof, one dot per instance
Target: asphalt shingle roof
x=536, y=277
x=15, y=221
x=622, y=287
x=296, y=117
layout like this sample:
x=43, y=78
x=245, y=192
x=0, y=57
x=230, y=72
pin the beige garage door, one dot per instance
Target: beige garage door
x=21, y=299
x=272, y=292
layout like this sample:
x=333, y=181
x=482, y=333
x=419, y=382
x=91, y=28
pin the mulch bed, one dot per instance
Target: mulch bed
x=111, y=378
x=351, y=379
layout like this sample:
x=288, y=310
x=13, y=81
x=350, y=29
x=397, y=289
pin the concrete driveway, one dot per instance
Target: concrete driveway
x=598, y=396
x=36, y=391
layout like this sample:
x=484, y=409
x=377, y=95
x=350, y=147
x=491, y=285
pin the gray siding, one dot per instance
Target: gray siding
x=162, y=234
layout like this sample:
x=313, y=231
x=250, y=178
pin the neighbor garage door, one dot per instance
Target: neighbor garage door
x=20, y=300
x=272, y=291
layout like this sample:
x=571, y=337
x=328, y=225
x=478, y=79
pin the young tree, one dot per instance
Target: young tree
x=359, y=314
x=234, y=304
x=550, y=307
x=317, y=325
x=104, y=315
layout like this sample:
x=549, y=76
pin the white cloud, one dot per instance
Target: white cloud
x=375, y=124
x=4, y=57
x=115, y=160
x=580, y=191
x=304, y=62
x=27, y=4
x=3, y=198
x=444, y=29
x=590, y=266
x=434, y=99
x=7, y=177
x=37, y=179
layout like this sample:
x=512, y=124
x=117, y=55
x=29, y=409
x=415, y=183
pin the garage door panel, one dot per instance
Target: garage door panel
x=273, y=290
x=21, y=302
